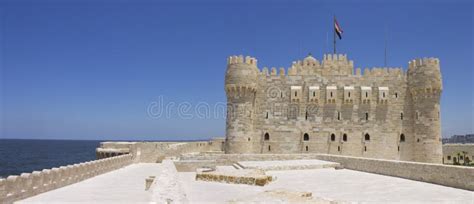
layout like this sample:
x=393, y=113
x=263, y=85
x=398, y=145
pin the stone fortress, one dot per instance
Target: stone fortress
x=299, y=137
x=329, y=107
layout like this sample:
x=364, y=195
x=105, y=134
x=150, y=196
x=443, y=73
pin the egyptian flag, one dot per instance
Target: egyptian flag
x=338, y=29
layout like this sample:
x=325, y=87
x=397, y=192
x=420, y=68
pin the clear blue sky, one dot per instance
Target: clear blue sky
x=84, y=70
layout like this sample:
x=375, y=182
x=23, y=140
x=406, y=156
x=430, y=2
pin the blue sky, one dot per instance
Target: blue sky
x=91, y=69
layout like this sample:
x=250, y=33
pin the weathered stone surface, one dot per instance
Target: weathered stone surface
x=242, y=176
x=323, y=107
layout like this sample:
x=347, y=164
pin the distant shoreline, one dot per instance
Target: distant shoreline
x=171, y=140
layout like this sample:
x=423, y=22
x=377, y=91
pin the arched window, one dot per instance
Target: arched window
x=344, y=137
x=267, y=136
x=306, y=116
x=333, y=137
x=366, y=116
x=366, y=94
x=314, y=93
x=402, y=138
x=331, y=94
x=296, y=93
x=306, y=137
x=349, y=94
x=383, y=94
x=338, y=115
x=367, y=137
x=401, y=116
x=306, y=148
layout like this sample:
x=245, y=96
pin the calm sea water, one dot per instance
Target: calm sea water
x=24, y=156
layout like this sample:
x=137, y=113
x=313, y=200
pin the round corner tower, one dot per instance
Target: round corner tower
x=425, y=86
x=241, y=87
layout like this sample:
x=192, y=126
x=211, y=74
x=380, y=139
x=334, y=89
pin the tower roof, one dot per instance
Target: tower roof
x=309, y=58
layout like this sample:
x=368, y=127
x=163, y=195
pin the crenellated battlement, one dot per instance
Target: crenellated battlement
x=427, y=62
x=330, y=106
x=241, y=59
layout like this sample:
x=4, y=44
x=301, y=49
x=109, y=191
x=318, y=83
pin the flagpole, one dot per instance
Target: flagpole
x=385, y=48
x=334, y=32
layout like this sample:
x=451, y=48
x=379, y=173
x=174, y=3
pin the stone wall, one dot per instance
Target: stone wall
x=15, y=188
x=151, y=152
x=446, y=175
x=336, y=108
x=462, y=153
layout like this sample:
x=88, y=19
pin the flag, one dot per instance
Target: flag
x=338, y=29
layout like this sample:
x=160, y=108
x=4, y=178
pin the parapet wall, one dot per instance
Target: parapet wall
x=152, y=152
x=446, y=175
x=26, y=185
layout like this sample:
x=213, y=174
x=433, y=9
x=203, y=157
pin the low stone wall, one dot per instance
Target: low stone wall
x=250, y=177
x=446, y=175
x=26, y=185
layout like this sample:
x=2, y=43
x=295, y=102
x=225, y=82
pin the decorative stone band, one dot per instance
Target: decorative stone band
x=26, y=185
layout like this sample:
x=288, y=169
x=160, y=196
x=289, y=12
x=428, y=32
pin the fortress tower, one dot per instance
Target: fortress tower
x=240, y=87
x=332, y=107
x=425, y=86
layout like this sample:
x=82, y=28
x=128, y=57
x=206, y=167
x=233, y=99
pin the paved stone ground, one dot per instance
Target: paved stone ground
x=329, y=184
x=126, y=185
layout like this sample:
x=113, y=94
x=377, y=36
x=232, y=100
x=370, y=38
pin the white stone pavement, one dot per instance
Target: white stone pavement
x=126, y=185
x=328, y=184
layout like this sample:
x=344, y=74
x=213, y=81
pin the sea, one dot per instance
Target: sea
x=25, y=156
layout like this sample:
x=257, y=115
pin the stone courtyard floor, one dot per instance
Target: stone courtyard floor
x=126, y=185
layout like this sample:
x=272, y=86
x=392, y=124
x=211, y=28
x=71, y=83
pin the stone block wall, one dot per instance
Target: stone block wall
x=15, y=188
x=327, y=98
x=446, y=175
x=461, y=153
x=151, y=152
